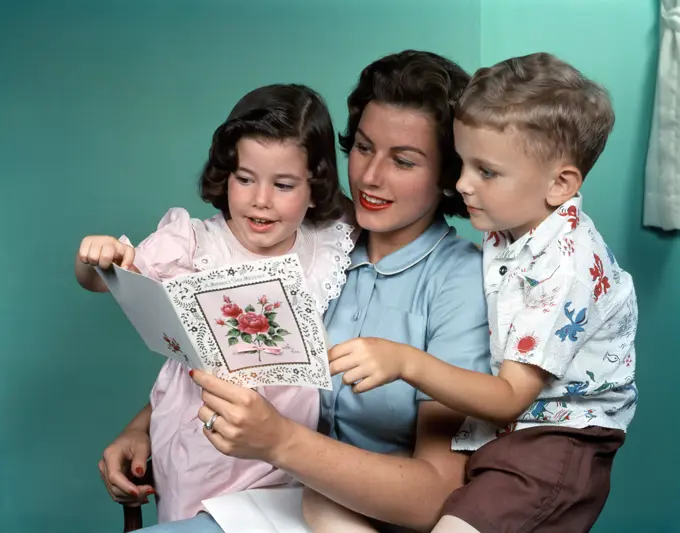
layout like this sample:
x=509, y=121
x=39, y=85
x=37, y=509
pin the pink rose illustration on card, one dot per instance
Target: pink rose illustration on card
x=175, y=348
x=253, y=330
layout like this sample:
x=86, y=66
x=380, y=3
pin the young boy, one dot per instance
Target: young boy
x=544, y=428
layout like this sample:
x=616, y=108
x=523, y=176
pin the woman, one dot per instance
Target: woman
x=387, y=455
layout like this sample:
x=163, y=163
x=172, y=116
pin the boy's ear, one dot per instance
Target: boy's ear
x=567, y=182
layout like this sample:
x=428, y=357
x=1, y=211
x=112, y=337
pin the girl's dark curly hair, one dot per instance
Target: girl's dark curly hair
x=423, y=81
x=278, y=112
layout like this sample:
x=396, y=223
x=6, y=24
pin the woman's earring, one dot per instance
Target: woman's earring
x=448, y=193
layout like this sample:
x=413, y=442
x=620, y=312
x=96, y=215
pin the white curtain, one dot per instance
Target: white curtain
x=662, y=179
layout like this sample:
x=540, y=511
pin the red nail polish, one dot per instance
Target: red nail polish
x=139, y=471
x=151, y=491
x=134, y=493
x=191, y=373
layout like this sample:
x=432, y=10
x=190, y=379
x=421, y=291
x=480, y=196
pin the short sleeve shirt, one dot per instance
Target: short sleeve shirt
x=429, y=295
x=559, y=300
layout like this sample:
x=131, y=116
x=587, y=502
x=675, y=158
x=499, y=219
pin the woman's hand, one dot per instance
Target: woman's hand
x=126, y=455
x=247, y=425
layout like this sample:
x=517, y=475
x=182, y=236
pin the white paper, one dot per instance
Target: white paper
x=271, y=510
x=148, y=307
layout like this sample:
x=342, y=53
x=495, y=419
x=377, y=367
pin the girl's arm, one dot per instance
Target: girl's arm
x=88, y=278
x=101, y=251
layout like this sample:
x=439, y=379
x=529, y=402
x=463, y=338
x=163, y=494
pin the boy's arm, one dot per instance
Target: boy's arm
x=498, y=399
x=544, y=337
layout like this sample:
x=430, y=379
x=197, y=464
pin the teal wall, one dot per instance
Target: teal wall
x=107, y=109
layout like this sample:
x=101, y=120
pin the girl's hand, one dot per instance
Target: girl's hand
x=368, y=362
x=247, y=425
x=103, y=251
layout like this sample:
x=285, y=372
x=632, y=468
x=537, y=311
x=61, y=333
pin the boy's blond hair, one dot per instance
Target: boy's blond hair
x=563, y=114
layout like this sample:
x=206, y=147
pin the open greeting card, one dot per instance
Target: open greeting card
x=251, y=324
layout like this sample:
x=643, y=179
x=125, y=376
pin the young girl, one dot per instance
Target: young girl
x=272, y=174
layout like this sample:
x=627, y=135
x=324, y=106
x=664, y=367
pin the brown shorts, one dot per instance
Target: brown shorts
x=539, y=480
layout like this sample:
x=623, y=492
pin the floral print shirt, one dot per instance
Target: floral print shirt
x=558, y=299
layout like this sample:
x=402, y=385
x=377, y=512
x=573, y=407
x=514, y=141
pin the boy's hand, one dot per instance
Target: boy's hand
x=368, y=362
x=103, y=251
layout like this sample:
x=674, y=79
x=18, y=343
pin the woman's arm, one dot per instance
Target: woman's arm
x=400, y=490
x=128, y=454
x=142, y=420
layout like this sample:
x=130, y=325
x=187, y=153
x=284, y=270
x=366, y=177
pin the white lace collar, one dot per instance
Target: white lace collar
x=323, y=251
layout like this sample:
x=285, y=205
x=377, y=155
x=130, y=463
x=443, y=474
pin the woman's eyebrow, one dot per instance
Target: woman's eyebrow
x=409, y=149
x=401, y=148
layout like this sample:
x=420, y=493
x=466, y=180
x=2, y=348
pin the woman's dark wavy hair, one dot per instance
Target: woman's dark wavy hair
x=278, y=112
x=417, y=80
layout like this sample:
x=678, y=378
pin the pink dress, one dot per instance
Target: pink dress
x=187, y=468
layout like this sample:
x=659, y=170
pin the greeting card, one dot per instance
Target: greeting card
x=251, y=324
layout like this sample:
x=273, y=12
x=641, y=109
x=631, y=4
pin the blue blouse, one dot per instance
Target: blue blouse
x=428, y=294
